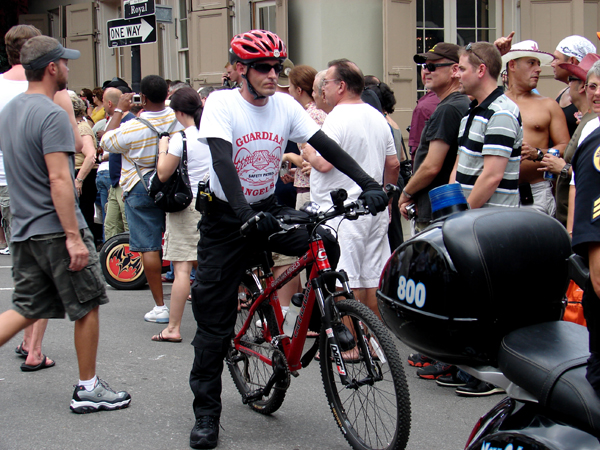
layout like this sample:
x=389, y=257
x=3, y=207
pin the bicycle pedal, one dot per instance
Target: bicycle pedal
x=253, y=396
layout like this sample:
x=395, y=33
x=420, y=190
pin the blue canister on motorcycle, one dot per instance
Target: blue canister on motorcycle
x=447, y=199
x=549, y=175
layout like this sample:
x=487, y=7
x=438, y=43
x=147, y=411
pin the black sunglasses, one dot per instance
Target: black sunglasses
x=266, y=68
x=469, y=48
x=431, y=66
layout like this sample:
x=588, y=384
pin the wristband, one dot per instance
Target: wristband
x=79, y=179
x=118, y=110
x=406, y=194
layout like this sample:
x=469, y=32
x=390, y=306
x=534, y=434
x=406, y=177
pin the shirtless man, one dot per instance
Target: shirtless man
x=543, y=122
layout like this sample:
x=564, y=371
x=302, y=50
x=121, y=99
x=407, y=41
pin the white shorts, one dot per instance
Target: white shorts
x=543, y=200
x=182, y=235
x=364, y=249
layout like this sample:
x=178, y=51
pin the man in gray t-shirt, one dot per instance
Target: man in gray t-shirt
x=48, y=130
x=55, y=266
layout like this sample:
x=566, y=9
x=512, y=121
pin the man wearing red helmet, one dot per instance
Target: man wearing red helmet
x=247, y=130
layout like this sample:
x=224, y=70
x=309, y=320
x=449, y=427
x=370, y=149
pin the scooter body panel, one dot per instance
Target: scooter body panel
x=516, y=425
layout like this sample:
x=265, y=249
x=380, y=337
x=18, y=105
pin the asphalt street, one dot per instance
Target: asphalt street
x=34, y=407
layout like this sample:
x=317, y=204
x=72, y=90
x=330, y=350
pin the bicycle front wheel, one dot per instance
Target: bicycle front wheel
x=250, y=374
x=373, y=410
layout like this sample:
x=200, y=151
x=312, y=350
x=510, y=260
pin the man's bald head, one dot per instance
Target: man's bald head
x=110, y=99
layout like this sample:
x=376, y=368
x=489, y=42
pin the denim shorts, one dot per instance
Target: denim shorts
x=146, y=220
x=45, y=288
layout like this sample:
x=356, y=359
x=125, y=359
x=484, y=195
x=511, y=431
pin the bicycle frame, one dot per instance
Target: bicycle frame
x=293, y=346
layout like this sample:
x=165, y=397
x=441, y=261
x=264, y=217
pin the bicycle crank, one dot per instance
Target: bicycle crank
x=280, y=374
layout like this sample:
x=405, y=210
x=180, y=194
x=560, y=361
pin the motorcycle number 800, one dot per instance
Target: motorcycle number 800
x=411, y=292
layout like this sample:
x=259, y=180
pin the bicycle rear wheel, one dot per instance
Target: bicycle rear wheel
x=373, y=412
x=249, y=373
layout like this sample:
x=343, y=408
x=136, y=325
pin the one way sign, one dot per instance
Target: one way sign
x=124, y=32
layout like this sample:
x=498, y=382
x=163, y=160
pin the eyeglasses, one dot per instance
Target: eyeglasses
x=592, y=87
x=332, y=79
x=573, y=79
x=431, y=66
x=266, y=68
x=469, y=48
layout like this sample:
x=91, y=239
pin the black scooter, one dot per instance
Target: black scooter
x=483, y=289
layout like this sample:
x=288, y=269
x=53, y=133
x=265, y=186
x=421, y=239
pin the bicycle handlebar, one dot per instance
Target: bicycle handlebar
x=351, y=211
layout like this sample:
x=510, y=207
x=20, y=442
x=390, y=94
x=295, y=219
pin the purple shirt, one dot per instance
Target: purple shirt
x=423, y=111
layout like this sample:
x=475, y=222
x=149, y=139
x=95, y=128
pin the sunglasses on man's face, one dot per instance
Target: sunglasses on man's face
x=431, y=66
x=266, y=68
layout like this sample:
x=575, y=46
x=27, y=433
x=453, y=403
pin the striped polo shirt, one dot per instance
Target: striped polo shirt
x=492, y=128
x=138, y=143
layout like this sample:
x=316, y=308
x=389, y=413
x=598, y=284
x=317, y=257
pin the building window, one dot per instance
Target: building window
x=430, y=31
x=184, y=54
x=451, y=21
x=475, y=21
x=263, y=16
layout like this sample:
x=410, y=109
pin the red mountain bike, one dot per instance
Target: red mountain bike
x=361, y=370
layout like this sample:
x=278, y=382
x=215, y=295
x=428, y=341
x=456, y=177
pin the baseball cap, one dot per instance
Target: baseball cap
x=284, y=76
x=439, y=51
x=58, y=52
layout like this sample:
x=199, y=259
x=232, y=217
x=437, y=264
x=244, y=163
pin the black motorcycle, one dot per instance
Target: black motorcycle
x=484, y=289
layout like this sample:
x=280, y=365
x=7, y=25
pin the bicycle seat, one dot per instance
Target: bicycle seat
x=549, y=360
x=258, y=258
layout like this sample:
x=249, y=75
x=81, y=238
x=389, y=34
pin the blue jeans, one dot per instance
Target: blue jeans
x=103, y=184
x=146, y=220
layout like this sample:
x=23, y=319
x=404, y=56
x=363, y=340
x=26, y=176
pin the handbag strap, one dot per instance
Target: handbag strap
x=149, y=125
x=183, y=162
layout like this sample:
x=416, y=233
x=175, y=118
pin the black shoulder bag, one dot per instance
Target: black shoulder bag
x=175, y=194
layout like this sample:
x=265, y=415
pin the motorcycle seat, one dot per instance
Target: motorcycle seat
x=549, y=360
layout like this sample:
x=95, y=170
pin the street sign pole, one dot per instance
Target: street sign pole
x=136, y=68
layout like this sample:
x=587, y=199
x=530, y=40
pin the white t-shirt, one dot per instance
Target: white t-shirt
x=258, y=134
x=198, y=154
x=364, y=134
x=9, y=89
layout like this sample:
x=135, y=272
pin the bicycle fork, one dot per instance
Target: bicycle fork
x=331, y=320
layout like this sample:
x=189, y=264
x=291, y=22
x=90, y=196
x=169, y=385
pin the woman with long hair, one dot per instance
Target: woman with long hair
x=181, y=234
x=85, y=163
x=301, y=87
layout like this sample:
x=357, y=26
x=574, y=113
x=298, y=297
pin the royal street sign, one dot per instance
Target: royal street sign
x=125, y=32
x=137, y=8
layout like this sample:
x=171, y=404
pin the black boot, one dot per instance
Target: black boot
x=205, y=433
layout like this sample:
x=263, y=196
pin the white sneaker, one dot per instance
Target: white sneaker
x=158, y=315
x=5, y=251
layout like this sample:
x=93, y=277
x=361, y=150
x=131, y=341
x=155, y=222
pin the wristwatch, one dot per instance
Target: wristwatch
x=79, y=179
x=564, y=173
x=406, y=194
x=540, y=155
x=117, y=110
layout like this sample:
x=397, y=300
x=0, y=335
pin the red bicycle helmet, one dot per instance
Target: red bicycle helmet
x=256, y=45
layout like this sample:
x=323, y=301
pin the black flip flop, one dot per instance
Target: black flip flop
x=40, y=366
x=19, y=351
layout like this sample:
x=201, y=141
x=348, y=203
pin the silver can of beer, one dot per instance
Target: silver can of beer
x=549, y=175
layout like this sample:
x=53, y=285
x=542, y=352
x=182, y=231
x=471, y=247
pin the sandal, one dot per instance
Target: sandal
x=22, y=353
